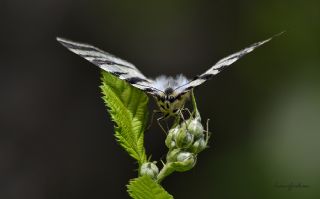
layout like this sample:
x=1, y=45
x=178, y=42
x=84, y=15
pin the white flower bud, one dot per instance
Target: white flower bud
x=184, y=139
x=199, y=145
x=183, y=156
x=172, y=155
x=185, y=123
x=173, y=144
x=170, y=139
x=195, y=128
x=150, y=169
x=185, y=161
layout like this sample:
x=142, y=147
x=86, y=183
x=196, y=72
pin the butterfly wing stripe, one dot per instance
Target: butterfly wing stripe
x=88, y=52
x=74, y=46
x=116, y=66
x=220, y=65
x=135, y=80
x=100, y=62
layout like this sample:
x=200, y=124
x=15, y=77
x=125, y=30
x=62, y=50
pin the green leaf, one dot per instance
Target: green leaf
x=145, y=188
x=128, y=109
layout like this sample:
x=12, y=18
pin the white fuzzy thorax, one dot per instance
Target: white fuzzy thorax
x=163, y=82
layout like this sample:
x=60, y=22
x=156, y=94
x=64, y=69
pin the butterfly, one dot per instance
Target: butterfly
x=170, y=93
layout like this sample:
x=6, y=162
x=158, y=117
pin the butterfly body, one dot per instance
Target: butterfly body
x=170, y=93
x=170, y=100
x=171, y=107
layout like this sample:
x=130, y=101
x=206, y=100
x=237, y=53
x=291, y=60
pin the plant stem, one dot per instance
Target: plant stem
x=165, y=171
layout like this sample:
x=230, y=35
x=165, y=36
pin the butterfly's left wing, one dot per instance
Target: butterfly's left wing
x=110, y=63
x=219, y=66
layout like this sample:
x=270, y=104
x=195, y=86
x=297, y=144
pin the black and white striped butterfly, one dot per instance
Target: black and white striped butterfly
x=170, y=93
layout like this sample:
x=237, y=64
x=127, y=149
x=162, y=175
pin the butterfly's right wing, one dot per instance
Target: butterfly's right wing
x=219, y=66
x=114, y=65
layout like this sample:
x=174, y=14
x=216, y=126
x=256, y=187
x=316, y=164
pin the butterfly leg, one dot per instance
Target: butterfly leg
x=182, y=116
x=152, y=118
x=158, y=121
x=188, y=111
x=176, y=120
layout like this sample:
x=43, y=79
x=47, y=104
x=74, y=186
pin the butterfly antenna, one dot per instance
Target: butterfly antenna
x=185, y=83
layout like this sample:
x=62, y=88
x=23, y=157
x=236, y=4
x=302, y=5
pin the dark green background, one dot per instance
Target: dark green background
x=56, y=138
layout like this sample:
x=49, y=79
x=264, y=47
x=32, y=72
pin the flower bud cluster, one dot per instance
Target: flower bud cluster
x=185, y=141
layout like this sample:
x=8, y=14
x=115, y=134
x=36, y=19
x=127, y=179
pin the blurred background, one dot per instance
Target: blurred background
x=56, y=138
